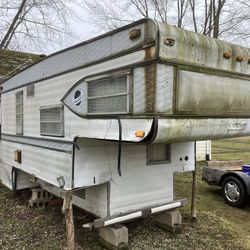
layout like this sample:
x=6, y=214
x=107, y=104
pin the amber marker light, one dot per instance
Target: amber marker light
x=139, y=133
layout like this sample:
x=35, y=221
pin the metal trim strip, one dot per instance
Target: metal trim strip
x=102, y=222
x=142, y=63
x=139, y=22
x=55, y=145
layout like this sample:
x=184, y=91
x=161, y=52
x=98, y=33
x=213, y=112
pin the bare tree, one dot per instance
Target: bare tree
x=181, y=11
x=34, y=23
x=161, y=9
x=226, y=19
x=193, y=10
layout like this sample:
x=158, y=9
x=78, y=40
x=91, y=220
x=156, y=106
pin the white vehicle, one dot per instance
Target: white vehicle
x=114, y=117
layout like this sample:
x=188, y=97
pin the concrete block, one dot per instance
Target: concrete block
x=169, y=221
x=114, y=237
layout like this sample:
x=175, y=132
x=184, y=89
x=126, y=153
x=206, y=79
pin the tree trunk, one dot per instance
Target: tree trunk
x=4, y=44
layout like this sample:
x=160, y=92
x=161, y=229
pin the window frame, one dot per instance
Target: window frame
x=127, y=93
x=21, y=112
x=157, y=162
x=48, y=107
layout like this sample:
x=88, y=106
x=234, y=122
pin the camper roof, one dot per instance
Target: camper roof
x=173, y=46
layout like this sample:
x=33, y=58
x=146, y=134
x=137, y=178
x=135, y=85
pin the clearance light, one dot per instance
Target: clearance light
x=140, y=133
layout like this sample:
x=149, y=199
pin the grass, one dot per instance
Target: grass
x=209, y=201
x=218, y=226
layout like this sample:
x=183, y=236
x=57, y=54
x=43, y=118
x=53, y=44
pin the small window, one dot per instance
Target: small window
x=52, y=120
x=109, y=95
x=19, y=112
x=30, y=90
x=158, y=153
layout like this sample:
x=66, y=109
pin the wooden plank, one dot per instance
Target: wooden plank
x=227, y=165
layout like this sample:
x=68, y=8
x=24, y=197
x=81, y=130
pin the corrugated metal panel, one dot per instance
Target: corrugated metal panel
x=81, y=55
x=164, y=88
x=37, y=142
x=46, y=164
x=5, y=175
x=139, y=90
x=203, y=148
x=207, y=94
x=51, y=91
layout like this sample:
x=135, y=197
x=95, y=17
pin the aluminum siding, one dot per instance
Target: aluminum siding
x=78, y=56
x=42, y=163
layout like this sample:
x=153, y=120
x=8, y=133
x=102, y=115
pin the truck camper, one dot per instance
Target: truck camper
x=111, y=119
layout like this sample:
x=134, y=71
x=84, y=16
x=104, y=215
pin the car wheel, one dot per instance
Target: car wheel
x=234, y=192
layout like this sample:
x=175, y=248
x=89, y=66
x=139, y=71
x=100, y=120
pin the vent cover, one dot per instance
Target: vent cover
x=109, y=95
x=30, y=90
x=51, y=120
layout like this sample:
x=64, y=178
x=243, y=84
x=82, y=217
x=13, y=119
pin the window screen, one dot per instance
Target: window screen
x=109, y=95
x=158, y=153
x=51, y=120
x=19, y=113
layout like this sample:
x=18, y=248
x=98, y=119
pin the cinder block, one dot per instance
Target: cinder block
x=114, y=237
x=169, y=220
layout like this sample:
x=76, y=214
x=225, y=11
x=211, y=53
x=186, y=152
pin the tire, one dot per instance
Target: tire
x=234, y=192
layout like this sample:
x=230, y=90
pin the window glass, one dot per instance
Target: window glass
x=158, y=153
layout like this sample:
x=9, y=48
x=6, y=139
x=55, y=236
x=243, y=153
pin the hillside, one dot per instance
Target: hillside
x=13, y=61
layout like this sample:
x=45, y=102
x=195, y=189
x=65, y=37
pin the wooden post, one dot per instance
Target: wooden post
x=194, y=190
x=67, y=210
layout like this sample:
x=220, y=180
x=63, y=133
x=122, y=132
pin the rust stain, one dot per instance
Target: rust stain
x=150, y=78
x=239, y=58
x=227, y=54
x=150, y=53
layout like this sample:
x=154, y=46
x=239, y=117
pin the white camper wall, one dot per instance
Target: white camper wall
x=45, y=164
x=50, y=92
x=141, y=184
x=203, y=150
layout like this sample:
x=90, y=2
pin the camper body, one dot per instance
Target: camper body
x=114, y=117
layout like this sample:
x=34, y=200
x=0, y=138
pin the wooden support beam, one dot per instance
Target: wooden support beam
x=67, y=210
x=194, y=193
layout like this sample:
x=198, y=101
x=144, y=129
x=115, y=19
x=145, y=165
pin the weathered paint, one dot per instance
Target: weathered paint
x=199, y=50
x=206, y=94
x=180, y=130
x=150, y=79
